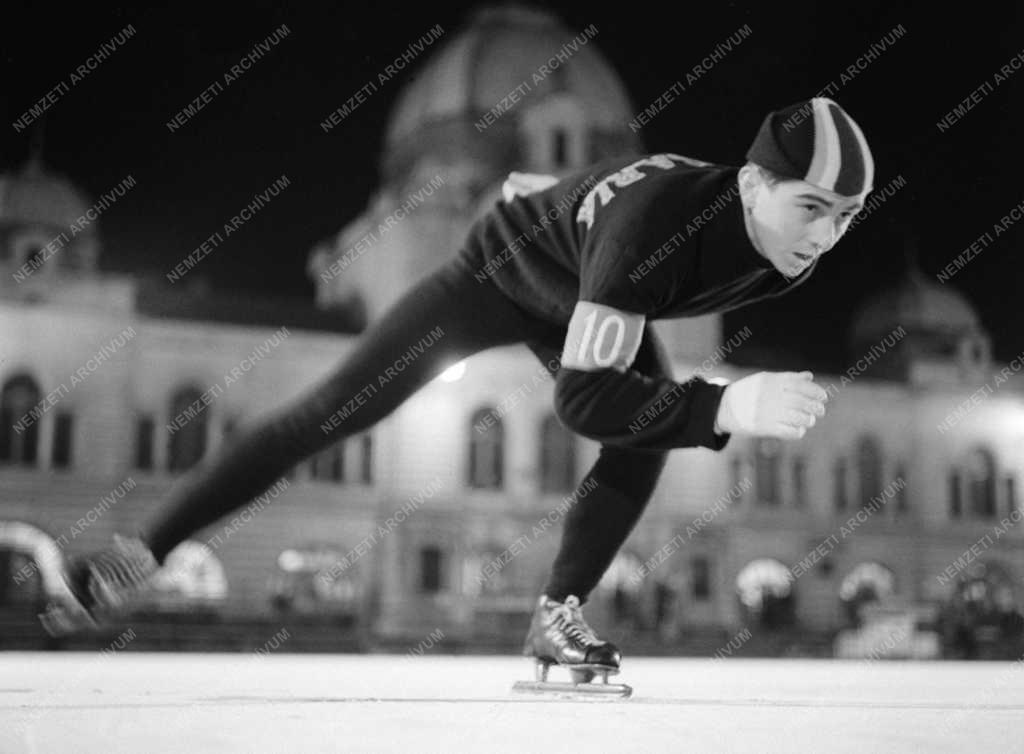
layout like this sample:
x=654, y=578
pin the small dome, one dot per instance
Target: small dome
x=35, y=196
x=919, y=305
x=496, y=57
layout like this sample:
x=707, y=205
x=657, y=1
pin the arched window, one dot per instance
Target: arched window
x=867, y=582
x=33, y=567
x=766, y=459
x=557, y=456
x=19, y=423
x=187, y=425
x=869, y=469
x=486, y=449
x=190, y=573
x=981, y=484
x=765, y=592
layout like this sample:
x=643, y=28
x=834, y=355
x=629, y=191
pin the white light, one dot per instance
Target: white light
x=454, y=372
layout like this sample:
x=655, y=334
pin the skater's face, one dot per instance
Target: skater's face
x=792, y=223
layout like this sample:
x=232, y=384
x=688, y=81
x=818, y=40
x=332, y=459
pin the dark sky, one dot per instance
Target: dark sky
x=112, y=124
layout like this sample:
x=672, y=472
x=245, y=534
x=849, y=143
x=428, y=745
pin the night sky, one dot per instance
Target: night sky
x=111, y=124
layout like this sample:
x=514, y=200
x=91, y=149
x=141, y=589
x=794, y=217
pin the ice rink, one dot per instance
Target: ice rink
x=162, y=702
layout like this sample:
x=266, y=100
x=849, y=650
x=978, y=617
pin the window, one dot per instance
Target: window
x=701, y=578
x=144, y=442
x=766, y=458
x=366, y=466
x=486, y=449
x=800, y=482
x=981, y=484
x=867, y=582
x=902, y=505
x=955, y=501
x=869, y=469
x=34, y=257
x=557, y=456
x=190, y=573
x=430, y=569
x=560, y=148
x=1011, y=495
x=764, y=587
x=62, y=433
x=19, y=430
x=839, y=479
x=739, y=468
x=329, y=464
x=187, y=425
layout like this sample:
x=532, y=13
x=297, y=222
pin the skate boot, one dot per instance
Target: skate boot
x=560, y=636
x=99, y=586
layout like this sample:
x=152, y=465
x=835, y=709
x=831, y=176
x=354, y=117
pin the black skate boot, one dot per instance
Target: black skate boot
x=99, y=586
x=560, y=636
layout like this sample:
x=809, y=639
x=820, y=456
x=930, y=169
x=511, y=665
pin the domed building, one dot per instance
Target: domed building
x=942, y=337
x=38, y=210
x=905, y=492
x=515, y=89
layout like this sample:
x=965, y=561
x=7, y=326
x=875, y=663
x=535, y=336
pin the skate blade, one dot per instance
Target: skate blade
x=574, y=690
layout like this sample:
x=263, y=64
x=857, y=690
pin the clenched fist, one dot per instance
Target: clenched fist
x=771, y=404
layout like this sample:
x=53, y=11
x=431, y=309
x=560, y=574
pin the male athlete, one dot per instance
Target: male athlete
x=575, y=269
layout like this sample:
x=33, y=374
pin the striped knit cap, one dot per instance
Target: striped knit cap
x=815, y=141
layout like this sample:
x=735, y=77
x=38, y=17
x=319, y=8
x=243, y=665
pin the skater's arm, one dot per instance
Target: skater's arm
x=598, y=392
x=599, y=395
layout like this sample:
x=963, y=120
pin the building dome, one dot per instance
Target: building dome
x=497, y=55
x=35, y=196
x=919, y=305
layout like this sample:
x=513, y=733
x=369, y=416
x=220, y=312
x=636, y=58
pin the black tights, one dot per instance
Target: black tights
x=449, y=315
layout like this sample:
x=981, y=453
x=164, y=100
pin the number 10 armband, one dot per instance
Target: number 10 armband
x=602, y=337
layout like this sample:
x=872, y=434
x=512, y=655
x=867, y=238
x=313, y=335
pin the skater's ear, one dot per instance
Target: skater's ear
x=750, y=181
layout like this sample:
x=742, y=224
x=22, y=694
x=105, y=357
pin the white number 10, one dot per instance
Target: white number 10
x=588, y=332
x=601, y=336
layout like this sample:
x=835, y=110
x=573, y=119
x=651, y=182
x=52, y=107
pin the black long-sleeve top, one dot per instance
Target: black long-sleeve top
x=605, y=250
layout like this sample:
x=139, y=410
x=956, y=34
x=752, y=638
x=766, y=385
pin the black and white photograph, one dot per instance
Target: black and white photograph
x=511, y=377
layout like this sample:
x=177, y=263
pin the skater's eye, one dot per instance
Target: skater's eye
x=812, y=208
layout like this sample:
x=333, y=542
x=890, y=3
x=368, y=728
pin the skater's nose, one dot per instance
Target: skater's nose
x=823, y=235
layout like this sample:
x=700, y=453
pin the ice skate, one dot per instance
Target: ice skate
x=99, y=586
x=560, y=636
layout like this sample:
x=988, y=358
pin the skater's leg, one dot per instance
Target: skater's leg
x=601, y=519
x=609, y=500
x=446, y=316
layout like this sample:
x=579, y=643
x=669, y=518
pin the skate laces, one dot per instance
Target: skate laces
x=571, y=617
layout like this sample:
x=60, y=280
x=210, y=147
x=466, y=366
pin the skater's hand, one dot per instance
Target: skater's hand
x=771, y=404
